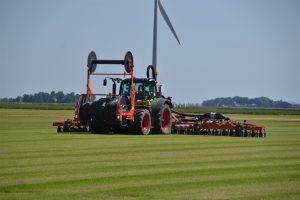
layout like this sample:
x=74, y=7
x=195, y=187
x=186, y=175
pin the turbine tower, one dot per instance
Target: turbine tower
x=157, y=3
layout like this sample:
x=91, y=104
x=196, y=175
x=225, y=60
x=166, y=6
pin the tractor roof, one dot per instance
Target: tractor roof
x=140, y=80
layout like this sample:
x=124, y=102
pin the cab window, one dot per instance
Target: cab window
x=150, y=90
x=125, y=88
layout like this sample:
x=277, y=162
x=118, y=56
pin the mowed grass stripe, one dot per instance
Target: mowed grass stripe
x=285, y=190
x=104, y=164
x=140, y=168
x=98, y=145
x=272, y=191
x=149, y=170
x=95, y=147
x=186, y=185
x=132, y=185
x=164, y=173
x=140, y=156
x=258, y=191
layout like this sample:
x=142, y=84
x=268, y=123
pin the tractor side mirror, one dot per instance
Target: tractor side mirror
x=105, y=82
x=160, y=89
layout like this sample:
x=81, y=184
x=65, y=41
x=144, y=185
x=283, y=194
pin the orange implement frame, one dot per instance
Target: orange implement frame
x=75, y=122
x=130, y=114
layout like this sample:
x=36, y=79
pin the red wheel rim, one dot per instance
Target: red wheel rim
x=165, y=122
x=146, y=123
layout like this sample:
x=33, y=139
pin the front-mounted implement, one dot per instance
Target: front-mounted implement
x=89, y=114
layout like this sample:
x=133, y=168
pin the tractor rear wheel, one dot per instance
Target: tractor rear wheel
x=142, y=122
x=163, y=120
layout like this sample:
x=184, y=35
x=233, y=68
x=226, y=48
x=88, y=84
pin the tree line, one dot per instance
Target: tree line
x=259, y=102
x=44, y=97
x=231, y=102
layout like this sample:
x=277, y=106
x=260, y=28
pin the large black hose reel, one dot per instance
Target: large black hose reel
x=127, y=62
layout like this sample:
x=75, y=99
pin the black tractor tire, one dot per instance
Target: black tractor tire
x=67, y=125
x=163, y=120
x=97, y=110
x=119, y=129
x=104, y=111
x=142, y=122
x=60, y=129
x=84, y=114
x=238, y=131
x=98, y=127
x=197, y=129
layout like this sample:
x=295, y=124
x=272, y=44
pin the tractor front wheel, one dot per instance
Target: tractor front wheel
x=142, y=122
x=163, y=120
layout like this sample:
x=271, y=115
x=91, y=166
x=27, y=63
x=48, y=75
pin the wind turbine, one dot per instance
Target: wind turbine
x=157, y=3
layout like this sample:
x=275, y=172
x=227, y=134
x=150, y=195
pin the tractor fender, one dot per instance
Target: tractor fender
x=144, y=107
x=161, y=102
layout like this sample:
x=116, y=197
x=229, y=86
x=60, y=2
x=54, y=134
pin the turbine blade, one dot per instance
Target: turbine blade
x=166, y=18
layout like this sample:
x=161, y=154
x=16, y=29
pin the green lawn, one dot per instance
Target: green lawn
x=38, y=163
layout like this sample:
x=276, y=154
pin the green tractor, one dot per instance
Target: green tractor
x=152, y=109
x=139, y=107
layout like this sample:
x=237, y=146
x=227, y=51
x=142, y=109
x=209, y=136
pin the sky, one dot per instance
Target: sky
x=248, y=48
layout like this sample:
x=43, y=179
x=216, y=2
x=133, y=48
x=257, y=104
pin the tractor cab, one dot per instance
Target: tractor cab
x=145, y=89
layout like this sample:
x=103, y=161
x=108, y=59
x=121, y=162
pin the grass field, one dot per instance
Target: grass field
x=200, y=109
x=38, y=163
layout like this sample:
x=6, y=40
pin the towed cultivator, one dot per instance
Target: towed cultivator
x=140, y=107
x=214, y=124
